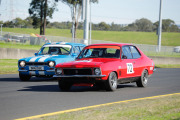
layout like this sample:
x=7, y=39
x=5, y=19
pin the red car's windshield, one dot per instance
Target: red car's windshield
x=100, y=52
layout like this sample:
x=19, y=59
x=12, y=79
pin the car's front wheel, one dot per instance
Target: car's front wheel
x=64, y=86
x=142, y=82
x=24, y=77
x=111, y=83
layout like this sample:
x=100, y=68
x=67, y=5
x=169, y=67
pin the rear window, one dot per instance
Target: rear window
x=135, y=52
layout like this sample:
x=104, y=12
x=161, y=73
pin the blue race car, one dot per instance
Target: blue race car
x=43, y=63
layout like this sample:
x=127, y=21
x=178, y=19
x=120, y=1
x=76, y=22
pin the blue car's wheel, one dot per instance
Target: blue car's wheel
x=24, y=77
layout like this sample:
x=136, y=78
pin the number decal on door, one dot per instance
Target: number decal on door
x=130, y=68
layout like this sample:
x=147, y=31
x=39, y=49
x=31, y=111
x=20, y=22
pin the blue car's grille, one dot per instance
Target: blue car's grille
x=83, y=71
x=36, y=63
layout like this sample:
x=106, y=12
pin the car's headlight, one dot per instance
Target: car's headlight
x=22, y=63
x=97, y=71
x=59, y=71
x=51, y=64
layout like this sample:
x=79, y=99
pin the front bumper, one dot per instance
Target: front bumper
x=37, y=72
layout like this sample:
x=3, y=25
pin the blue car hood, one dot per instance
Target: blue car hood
x=46, y=58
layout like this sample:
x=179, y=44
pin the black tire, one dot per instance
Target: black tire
x=24, y=77
x=100, y=85
x=111, y=82
x=142, y=82
x=64, y=86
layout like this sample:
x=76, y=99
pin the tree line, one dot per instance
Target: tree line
x=143, y=25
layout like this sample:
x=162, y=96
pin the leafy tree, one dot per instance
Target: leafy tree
x=1, y=22
x=104, y=26
x=76, y=8
x=140, y=25
x=8, y=24
x=18, y=22
x=168, y=25
x=28, y=22
x=144, y=25
x=40, y=11
x=131, y=27
x=174, y=28
x=116, y=27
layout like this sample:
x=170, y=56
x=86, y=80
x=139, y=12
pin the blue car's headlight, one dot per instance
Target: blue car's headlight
x=22, y=63
x=51, y=64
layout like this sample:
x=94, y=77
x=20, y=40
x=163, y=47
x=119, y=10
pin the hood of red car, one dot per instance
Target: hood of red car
x=84, y=63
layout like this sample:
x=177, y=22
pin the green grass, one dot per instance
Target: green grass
x=8, y=66
x=168, y=39
x=168, y=66
x=162, y=54
x=19, y=46
x=163, y=108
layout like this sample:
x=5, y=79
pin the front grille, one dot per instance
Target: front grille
x=81, y=71
x=36, y=63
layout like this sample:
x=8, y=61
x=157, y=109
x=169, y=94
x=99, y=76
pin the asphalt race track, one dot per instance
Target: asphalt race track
x=39, y=96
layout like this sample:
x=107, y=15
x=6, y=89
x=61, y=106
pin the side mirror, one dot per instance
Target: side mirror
x=124, y=57
x=74, y=55
x=35, y=54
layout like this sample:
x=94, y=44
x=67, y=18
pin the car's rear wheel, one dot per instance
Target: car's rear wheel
x=64, y=86
x=142, y=82
x=24, y=77
x=111, y=83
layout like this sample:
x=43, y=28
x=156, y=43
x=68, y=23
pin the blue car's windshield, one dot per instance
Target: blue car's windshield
x=55, y=50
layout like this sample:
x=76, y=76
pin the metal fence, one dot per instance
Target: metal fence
x=33, y=39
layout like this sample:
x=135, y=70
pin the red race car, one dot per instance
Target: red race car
x=106, y=66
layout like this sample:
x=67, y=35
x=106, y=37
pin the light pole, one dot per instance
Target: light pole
x=160, y=27
x=86, y=23
x=1, y=29
x=90, y=26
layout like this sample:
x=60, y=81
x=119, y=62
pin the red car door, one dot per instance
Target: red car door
x=137, y=61
x=127, y=62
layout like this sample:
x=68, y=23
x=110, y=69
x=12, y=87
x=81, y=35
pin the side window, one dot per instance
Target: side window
x=65, y=50
x=45, y=50
x=81, y=47
x=76, y=50
x=126, y=52
x=135, y=52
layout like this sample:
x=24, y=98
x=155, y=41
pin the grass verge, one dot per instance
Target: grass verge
x=8, y=66
x=19, y=46
x=168, y=66
x=161, y=108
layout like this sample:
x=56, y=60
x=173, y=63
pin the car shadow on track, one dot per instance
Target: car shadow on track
x=9, y=80
x=55, y=88
x=31, y=80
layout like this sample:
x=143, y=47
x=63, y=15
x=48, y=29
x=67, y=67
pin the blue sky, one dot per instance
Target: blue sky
x=117, y=11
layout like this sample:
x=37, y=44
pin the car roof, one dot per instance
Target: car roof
x=64, y=43
x=117, y=44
